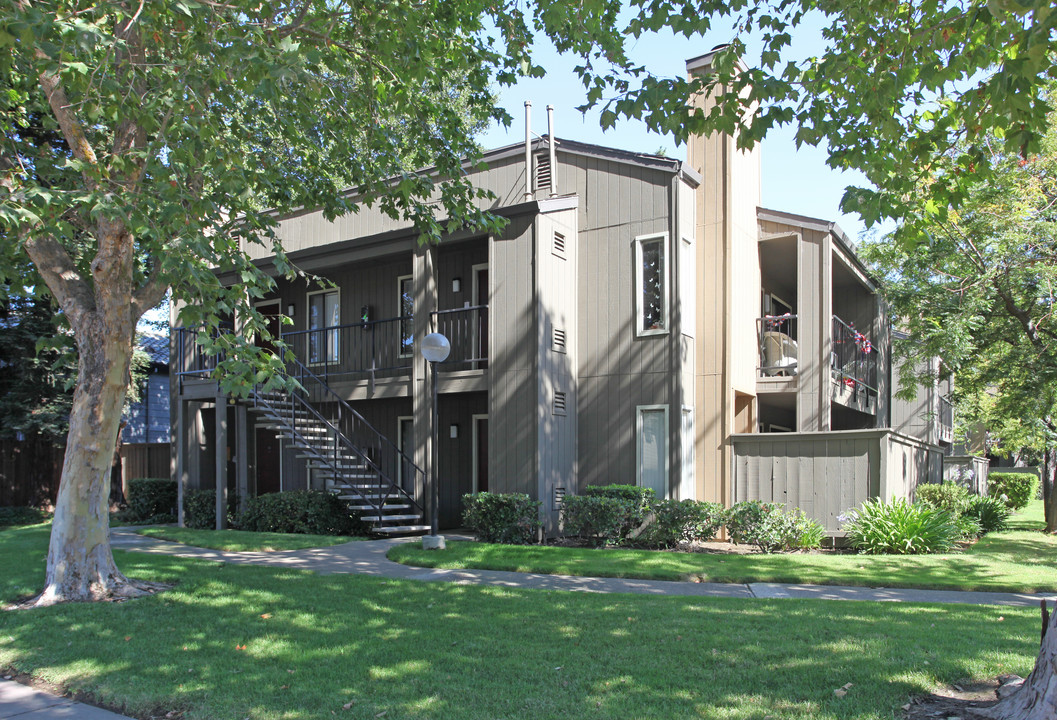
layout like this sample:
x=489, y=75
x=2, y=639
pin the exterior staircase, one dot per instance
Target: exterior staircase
x=358, y=464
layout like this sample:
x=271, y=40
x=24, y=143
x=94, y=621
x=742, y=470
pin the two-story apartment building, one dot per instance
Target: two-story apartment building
x=638, y=320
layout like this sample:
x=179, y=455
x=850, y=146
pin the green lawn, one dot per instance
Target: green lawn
x=1020, y=560
x=264, y=643
x=242, y=541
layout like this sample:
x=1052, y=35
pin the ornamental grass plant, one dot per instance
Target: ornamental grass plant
x=900, y=528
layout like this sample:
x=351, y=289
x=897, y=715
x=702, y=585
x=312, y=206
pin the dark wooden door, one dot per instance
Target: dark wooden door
x=481, y=429
x=268, y=459
x=271, y=316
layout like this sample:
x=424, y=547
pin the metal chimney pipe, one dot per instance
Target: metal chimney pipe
x=528, y=150
x=553, y=143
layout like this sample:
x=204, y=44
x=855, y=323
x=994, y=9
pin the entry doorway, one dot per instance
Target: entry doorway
x=272, y=321
x=268, y=461
x=480, y=453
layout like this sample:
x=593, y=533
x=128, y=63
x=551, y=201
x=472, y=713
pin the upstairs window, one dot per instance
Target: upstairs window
x=323, y=312
x=651, y=284
x=406, y=302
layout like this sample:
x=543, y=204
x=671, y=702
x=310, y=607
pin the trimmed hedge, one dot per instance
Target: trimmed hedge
x=19, y=515
x=770, y=527
x=200, y=509
x=947, y=496
x=1018, y=488
x=150, y=498
x=511, y=519
x=300, y=511
x=597, y=519
x=672, y=522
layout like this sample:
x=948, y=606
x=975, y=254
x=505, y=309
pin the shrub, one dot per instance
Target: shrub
x=300, y=511
x=671, y=522
x=151, y=498
x=22, y=516
x=948, y=496
x=639, y=500
x=992, y=513
x=968, y=526
x=596, y=518
x=200, y=509
x=512, y=519
x=900, y=528
x=770, y=527
x=1018, y=489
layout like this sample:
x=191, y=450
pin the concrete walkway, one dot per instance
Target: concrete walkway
x=369, y=558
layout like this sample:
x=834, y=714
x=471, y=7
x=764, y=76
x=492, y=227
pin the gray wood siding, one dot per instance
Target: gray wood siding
x=557, y=308
x=827, y=474
x=512, y=466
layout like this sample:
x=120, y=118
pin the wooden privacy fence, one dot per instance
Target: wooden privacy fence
x=967, y=469
x=825, y=474
x=29, y=471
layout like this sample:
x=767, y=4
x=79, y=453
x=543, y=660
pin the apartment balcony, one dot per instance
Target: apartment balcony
x=853, y=368
x=778, y=358
x=945, y=424
x=361, y=352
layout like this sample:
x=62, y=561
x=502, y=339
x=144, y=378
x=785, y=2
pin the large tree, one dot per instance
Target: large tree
x=182, y=120
x=978, y=287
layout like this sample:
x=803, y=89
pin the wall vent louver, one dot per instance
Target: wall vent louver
x=559, y=403
x=559, y=340
x=543, y=171
x=558, y=245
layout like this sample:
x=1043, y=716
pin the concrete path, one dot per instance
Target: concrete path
x=369, y=558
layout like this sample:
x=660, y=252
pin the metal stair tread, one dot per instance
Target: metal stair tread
x=400, y=529
x=383, y=518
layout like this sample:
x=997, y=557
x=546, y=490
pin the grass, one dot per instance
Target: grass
x=275, y=644
x=242, y=541
x=1020, y=560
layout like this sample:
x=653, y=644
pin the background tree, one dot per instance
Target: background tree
x=978, y=288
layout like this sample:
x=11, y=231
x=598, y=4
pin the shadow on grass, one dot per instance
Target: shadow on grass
x=265, y=643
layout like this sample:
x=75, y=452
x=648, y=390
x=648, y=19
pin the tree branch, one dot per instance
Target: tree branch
x=70, y=125
x=54, y=264
x=149, y=295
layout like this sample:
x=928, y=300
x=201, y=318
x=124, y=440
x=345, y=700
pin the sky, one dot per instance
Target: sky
x=794, y=180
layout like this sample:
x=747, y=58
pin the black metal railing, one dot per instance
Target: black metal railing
x=467, y=331
x=193, y=360
x=377, y=347
x=777, y=338
x=371, y=465
x=853, y=361
x=946, y=420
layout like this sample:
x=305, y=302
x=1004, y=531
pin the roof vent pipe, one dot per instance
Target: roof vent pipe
x=553, y=142
x=528, y=150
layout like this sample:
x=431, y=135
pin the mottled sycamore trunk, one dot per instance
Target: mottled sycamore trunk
x=1037, y=697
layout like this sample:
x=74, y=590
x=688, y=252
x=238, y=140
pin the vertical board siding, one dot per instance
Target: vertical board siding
x=827, y=474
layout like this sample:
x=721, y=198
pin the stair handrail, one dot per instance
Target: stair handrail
x=344, y=405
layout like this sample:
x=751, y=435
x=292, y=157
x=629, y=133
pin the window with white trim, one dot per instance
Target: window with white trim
x=651, y=448
x=324, y=311
x=405, y=300
x=651, y=284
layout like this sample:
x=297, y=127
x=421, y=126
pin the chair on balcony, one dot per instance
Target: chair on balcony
x=779, y=354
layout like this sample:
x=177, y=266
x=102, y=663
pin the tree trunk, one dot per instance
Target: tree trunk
x=80, y=564
x=1037, y=697
x=1049, y=490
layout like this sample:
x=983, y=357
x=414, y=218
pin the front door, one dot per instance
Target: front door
x=269, y=478
x=272, y=322
x=480, y=449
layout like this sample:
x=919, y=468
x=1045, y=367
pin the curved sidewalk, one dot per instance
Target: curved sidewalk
x=368, y=557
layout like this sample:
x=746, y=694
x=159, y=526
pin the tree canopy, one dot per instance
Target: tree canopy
x=978, y=289
x=141, y=142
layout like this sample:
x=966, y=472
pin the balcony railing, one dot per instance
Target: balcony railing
x=377, y=348
x=853, y=362
x=946, y=420
x=777, y=336
x=191, y=357
x=467, y=331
